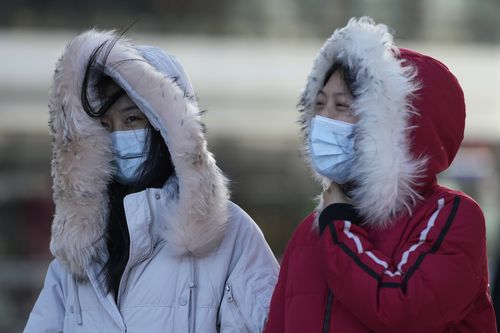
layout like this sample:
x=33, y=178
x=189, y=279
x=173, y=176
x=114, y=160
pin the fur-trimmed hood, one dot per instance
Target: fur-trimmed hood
x=82, y=152
x=412, y=117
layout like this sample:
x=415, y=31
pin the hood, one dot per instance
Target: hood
x=412, y=117
x=82, y=152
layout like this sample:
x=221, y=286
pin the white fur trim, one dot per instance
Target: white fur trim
x=81, y=164
x=385, y=171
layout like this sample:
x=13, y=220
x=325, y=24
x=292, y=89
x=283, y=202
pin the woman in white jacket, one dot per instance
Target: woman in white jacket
x=144, y=236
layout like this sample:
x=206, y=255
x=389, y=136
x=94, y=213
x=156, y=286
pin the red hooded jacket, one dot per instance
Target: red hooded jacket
x=408, y=255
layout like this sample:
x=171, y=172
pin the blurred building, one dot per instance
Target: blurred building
x=248, y=62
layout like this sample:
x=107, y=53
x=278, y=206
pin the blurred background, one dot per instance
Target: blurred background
x=248, y=61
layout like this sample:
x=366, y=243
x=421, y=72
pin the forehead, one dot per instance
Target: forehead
x=336, y=84
x=123, y=106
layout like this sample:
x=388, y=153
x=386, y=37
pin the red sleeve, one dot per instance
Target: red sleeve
x=426, y=287
x=276, y=319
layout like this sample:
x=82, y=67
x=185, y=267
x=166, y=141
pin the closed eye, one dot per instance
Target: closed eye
x=320, y=104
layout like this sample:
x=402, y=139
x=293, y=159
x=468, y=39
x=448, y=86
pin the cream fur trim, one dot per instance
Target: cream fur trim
x=81, y=164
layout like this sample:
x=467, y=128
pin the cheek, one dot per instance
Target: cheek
x=323, y=112
x=353, y=119
x=139, y=124
x=348, y=118
x=144, y=123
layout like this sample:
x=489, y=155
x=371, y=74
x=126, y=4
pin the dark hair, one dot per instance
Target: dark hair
x=346, y=73
x=156, y=169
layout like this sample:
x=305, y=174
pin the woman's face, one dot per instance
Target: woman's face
x=124, y=115
x=334, y=100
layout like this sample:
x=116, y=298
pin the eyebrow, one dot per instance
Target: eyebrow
x=130, y=108
x=342, y=93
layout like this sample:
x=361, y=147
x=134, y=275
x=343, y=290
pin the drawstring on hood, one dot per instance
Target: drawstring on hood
x=78, y=308
x=82, y=153
x=411, y=114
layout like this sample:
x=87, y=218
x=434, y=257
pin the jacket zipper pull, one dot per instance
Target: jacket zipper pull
x=229, y=293
x=230, y=299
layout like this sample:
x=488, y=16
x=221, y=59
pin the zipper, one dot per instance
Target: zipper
x=107, y=301
x=128, y=270
x=123, y=280
x=328, y=311
x=231, y=300
x=192, y=295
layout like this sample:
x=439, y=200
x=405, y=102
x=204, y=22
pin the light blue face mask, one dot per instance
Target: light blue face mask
x=331, y=148
x=130, y=153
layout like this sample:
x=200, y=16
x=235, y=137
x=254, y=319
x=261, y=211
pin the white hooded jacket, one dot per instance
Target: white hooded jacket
x=197, y=262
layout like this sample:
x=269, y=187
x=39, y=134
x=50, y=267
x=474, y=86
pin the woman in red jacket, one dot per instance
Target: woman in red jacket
x=387, y=249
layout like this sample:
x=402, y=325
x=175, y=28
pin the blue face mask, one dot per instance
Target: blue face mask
x=130, y=153
x=331, y=148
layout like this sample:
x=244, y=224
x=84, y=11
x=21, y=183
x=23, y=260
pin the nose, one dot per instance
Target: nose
x=324, y=112
x=116, y=125
x=328, y=110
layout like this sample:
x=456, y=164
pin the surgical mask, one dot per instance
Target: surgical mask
x=130, y=154
x=331, y=148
